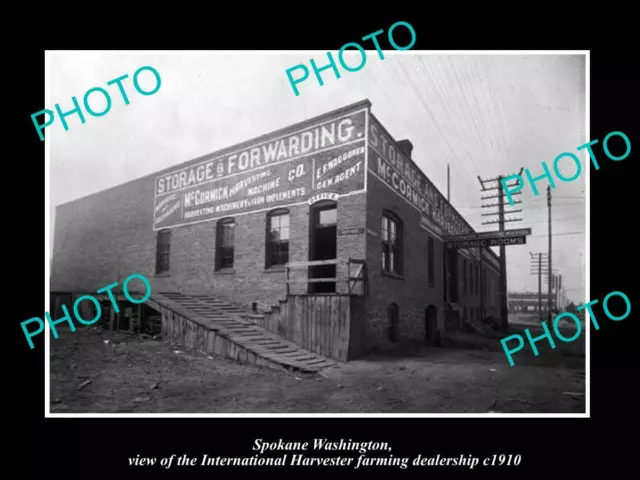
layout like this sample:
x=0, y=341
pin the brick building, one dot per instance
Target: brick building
x=335, y=200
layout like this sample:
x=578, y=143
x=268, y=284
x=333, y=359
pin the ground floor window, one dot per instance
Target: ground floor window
x=277, y=238
x=225, y=241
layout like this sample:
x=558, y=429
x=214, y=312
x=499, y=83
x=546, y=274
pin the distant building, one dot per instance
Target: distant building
x=529, y=302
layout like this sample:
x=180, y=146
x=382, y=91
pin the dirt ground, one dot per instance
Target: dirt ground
x=97, y=371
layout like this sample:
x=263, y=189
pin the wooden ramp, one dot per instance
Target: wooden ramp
x=216, y=327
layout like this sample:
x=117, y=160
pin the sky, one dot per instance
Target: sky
x=484, y=115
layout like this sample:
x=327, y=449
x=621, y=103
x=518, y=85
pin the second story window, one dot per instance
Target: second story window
x=430, y=265
x=464, y=276
x=391, y=243
x=225, y=241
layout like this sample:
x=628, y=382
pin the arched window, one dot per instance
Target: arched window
x=393, y=314
x=391, y=243
x=277, y=241
x=163, y=251
x=225, y=241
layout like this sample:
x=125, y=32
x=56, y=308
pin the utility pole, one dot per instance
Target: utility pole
x=537, y=261
x=448, y=183
x=504, y=312
x=559, y=302
x=550, y=275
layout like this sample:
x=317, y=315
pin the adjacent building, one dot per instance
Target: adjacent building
x=333, y=206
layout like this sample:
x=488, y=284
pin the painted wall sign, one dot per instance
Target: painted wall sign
x=324, y=158
x=390, y=165
x=324, y=196
x=351, y=231
x=426, y=224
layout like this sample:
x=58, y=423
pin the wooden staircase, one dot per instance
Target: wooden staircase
x=213, y=326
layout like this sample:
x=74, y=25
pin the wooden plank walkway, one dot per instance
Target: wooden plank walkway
x=229, y=322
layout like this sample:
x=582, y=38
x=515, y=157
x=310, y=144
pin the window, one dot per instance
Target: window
x=484, y=283
x=277, y=238
x=224, y=243
x=163, y=251
x=430, y=266
x=464, y=276
x=391, y=243
x=470, y=277
x=474, y=278
x=393, y=314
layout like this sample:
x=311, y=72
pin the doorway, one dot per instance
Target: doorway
x=431, y=326
x=323, y=245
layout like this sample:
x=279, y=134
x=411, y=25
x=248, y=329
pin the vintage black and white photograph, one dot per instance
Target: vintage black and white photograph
x=250, y=233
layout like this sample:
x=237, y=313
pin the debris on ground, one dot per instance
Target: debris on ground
x=84, y=384
x=446, y=381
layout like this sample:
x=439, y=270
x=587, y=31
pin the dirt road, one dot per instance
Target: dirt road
x=97, y=371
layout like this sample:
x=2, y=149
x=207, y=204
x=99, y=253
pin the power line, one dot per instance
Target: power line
x=558, y=234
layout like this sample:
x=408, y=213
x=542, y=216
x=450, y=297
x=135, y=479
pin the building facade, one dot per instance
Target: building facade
x=531, y=302
x=255, y=222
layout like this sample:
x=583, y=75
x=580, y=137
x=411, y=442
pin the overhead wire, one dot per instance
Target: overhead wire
x=442, y=85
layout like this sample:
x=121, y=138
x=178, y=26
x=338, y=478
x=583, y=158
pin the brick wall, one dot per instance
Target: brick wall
x=110, y=233
x=103, y=237
x=411, y=293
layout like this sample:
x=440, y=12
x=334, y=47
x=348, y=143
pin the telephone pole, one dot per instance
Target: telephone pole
x=550, y=274
x=504, y=312
x=537, y=261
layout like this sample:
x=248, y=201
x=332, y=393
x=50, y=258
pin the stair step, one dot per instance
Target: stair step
x=306, y=357
x=242, y=325
x=282, y=352
x=297, y=353
x=317, y=361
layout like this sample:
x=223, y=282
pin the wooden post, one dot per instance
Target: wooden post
x=139, y=316
x=286, y=278
x=112, y=317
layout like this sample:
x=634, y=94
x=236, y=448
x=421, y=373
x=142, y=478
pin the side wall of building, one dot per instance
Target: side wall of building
x=411, y=291
x=103, y=238
x=396, y=186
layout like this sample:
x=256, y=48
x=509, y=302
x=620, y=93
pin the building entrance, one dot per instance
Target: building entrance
x=431, y=326
x=323, y=245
